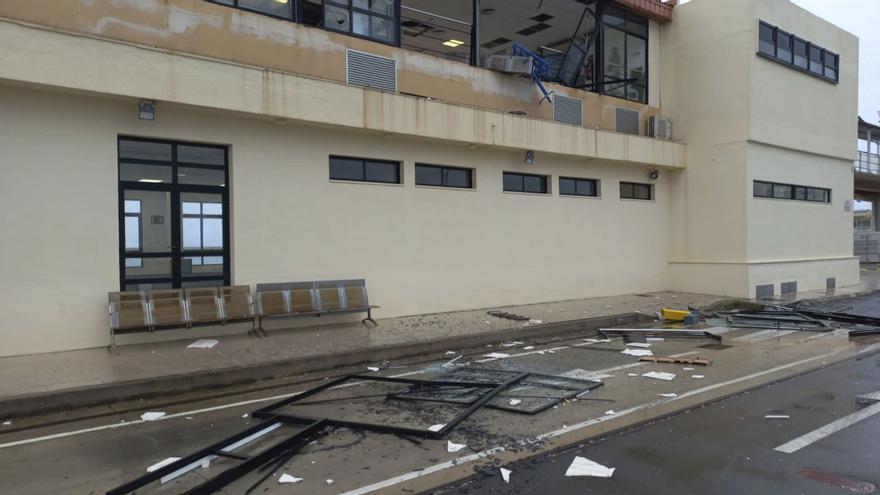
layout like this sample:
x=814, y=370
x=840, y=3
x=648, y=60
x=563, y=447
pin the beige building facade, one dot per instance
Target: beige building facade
x=456, y=187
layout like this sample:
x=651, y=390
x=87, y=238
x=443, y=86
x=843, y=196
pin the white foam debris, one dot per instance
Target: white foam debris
x=514, y=402
x=659, y=375
x=777, y=416
x=372, y=368
x=451, y=353
x=528, y=348
x=286, y=478
x=203, y=344
x=453, y=447
x=329, y=481
x=654, y=339
x=511, y=344
x=698, y=377
x=245, y=415
x=152, y=416
x=436, y=428
x=610, y=412
x=632, y=374
x=497, y=355
x=596, y=341
x=582, y=466
x=162, y=463
x=637, y=352
x=505, y=474
x=639, y=344
x=7, y=422
x=669, y=396
x=536, y=322
x=688, y=368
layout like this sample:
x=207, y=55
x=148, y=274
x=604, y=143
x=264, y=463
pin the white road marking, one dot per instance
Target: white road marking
x=828, y=430
x=761, y=336
x=445, y=465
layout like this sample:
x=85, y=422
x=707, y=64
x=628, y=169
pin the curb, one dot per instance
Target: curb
x=31, y=404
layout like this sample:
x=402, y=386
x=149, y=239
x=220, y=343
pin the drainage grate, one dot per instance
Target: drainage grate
x=568, y=110
x=764, y=291
x=371, y=71
x=626, y=120
x=830, y=283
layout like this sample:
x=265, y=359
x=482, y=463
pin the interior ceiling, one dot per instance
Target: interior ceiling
x=533, y=23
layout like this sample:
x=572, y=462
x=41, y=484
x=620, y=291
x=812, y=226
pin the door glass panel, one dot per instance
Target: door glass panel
x=147, y=268
x=202, y=176
x=144, y=150
x=202, y=221
x=151, y=174
x=201, y=266
x=201, y=154
x=147, y=221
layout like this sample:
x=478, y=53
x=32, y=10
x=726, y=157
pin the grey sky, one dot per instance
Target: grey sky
x=861, y=18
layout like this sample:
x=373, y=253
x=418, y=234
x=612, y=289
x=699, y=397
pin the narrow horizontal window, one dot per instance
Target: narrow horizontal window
x=634, y=190
x=570, y=186
x=442, y=176
x=797, y=53
x=528, y=183
x=364, y=170
x=775, y=190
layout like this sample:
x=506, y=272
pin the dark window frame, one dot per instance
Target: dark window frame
x=444, y=176
x=296, y=9
x=545, y=183
x=795, y=191
x=595, y=184
x=175, y=189
x=650, y=187
x=793, y=39
x=604, y=87
x=364, y=162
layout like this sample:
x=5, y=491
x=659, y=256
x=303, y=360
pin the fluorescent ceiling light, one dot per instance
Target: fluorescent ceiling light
x=281, y=1
x=453, y=43
x=151, y=181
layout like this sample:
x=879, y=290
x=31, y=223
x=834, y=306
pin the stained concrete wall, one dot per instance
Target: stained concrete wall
x=206, y=29
x=421, y=249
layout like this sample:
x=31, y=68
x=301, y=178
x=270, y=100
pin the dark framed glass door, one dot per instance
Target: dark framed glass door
x=173, y=214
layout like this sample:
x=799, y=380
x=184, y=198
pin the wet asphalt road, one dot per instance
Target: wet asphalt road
x=727, y=447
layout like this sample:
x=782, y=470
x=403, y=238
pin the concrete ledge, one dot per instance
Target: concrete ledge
x=30, y=404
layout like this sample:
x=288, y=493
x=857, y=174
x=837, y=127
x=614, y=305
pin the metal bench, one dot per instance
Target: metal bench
x=316, y=298
x=167, y=309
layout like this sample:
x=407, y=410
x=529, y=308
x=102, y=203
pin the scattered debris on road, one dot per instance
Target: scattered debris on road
x=659, y=375
x=582, y=466
x=203, y=344
x=286, y=478
x=152, y=416
x=677, y=360
x=453, y=447
x=777, y=416
x=505, y=475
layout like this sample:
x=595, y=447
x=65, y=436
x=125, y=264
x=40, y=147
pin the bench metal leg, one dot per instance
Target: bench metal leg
x=369, y=318
x=113, y=347
x=257, y=329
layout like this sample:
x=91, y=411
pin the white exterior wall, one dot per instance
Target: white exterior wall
x=421, y=249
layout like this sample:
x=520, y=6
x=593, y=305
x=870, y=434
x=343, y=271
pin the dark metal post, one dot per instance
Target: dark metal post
x=475, y=34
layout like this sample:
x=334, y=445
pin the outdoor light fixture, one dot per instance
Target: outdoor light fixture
x=453, y=43
x=147, y=110
x=530, y=157
x=654, y=174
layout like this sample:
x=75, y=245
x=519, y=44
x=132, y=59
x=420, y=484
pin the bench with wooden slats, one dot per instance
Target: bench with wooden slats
x=297, y=299
x=147, y=311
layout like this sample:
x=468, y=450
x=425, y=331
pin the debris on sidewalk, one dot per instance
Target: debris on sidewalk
x=610, y=412
x=659, y=375
x=698, y=377
x=436, y=428
x=453, y=447
x=505, y=474
x=451, y=353
x=286, y=478
x=637, y=352
x=8, y=422
x=777, y=416
x=512, y=344
x=582, y=466
x=674, y=360
x=372, y=368
x=528, y=348
x=668, y=314
x=514, y=402
x=203, y=344
x=669, y=395
x=329, y=481
x=638, y=344
x=507, y=316
x=496, y=355
x=152, y=416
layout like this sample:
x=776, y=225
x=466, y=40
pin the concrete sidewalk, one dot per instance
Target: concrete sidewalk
x=45, y=382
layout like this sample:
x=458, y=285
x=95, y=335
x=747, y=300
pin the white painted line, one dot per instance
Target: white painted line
x=761, y=336
x=423, y=472
x=827, y=430
x=555, y=433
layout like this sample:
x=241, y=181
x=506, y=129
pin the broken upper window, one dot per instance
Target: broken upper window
x=625, y=54
x=371, y=19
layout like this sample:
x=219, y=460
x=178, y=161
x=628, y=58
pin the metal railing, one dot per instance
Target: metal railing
x=868, y=163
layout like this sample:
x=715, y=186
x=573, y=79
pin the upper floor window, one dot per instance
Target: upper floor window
x=797, y=53
x=625, y=54
x=372, y=19
x=275, y=8
x=364, y=170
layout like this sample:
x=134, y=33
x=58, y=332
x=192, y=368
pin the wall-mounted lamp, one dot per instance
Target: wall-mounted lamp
x=530, y=157
x=147, y=110
x=654, y=174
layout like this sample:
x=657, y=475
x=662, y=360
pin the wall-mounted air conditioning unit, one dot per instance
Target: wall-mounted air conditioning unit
x=510, y=64
x=660, y=127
